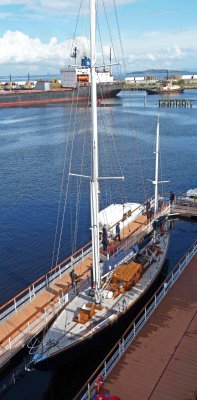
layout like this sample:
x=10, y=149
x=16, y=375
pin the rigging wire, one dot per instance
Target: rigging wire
x=128, y=114
x=135, y=134
x=109, y=30
x=61, y=189
x=60, y=203
x=73, y=233
x=112, y=165
x=79, y=186
x=76, y=25
x=67, y=187
x=110, y=135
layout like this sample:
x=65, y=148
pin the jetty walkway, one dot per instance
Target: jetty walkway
x=162, y=362
x=184, y=209
x=157, y=356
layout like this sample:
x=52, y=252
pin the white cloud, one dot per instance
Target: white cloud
x=155, y=49
x=18, y=49
x=175, y=53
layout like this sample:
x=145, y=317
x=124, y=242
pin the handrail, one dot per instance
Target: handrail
x=121, y=345
x=40, y=311
x=166, y=279
x=44, y=277
x=27, y=320
x=32, y=326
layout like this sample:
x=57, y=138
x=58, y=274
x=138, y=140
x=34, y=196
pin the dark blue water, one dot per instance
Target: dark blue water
x=35, y=149
x=32, y=150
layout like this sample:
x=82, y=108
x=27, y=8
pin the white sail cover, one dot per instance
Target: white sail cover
x=192, y=193
x=115, y=212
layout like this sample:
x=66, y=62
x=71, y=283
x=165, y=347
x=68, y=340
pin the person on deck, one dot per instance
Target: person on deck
x=148, y=209
x=171, y=198
x=136, y=248
x=160, y=204
x=118, y=231
x=104, y=239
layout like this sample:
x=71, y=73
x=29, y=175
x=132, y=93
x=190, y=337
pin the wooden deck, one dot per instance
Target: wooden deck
x=161, y=363
x=20, y=327
x=19, y=322
x=184, y=211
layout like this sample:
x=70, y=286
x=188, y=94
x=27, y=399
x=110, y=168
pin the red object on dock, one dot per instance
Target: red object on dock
x=101, y=396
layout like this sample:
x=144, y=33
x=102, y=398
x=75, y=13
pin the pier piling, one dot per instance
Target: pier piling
x=176, y=103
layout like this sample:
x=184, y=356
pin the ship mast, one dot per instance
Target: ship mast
x=110, y=62
x=156, y=181
x=94, y=189
x=156, y=167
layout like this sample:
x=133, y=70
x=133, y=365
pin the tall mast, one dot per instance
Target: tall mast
x=94, y=179
x=156, y=166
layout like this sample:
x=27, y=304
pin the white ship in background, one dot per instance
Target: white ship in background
x=75, y=75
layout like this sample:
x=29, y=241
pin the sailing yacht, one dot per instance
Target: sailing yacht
x=118, y=281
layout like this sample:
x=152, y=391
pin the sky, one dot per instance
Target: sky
x=36, y=36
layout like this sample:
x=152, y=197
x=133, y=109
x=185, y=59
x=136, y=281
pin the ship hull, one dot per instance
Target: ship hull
x=39, y=97
x=164, y=92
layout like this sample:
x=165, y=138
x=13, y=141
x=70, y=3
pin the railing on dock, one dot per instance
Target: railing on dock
x=184, y=208
x=121, y=346
x=189, y=203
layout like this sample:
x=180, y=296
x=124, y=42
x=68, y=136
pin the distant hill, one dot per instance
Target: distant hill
x=161, y=72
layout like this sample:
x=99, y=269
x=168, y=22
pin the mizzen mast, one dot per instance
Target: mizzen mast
x=156, y=181
x=156, y=166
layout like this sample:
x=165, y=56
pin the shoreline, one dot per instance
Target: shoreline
x=138, y=87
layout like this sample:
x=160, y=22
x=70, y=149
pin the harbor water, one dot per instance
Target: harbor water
x=33, y=169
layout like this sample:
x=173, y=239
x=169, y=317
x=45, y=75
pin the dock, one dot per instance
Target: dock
x=156, y=358
x=162, y=361
x=176, y=103
x=187, y=210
